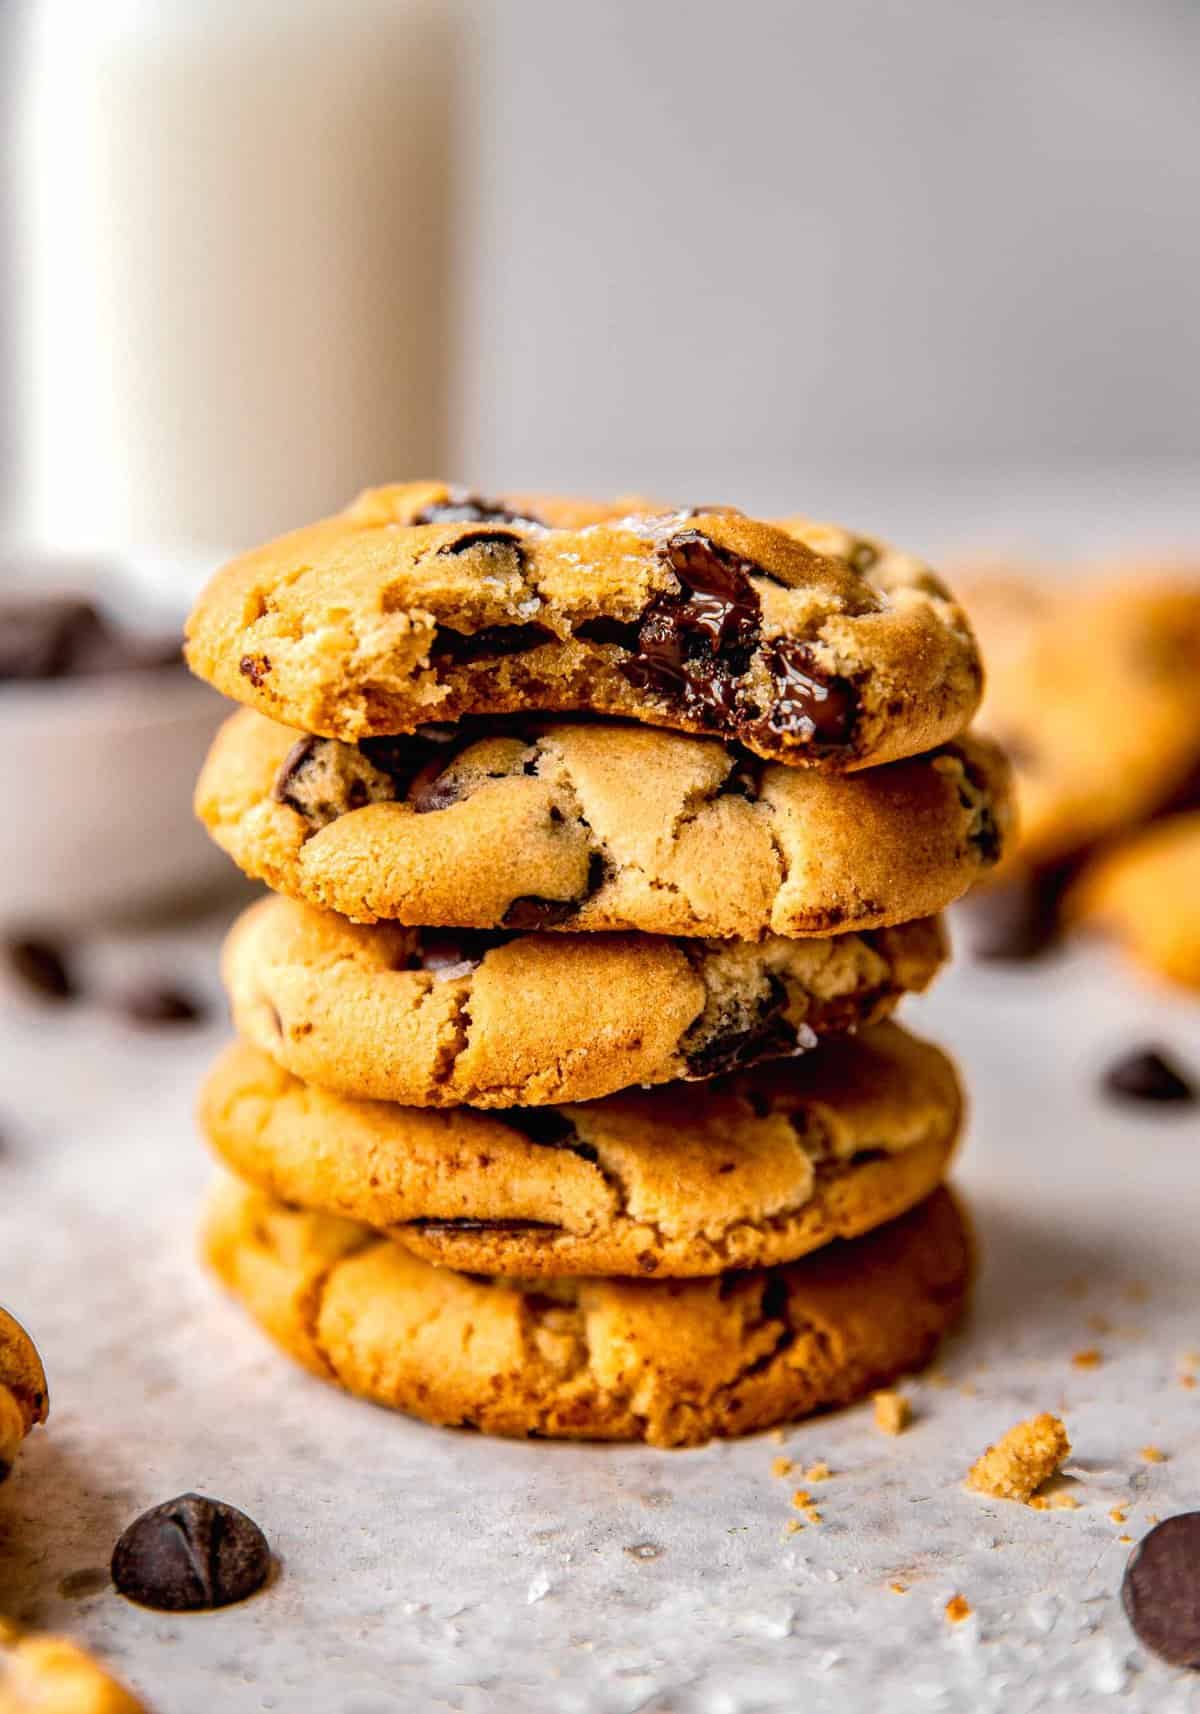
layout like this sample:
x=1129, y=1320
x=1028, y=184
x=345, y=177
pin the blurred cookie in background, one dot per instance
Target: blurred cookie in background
x=1094, y=690
x=1145, y=891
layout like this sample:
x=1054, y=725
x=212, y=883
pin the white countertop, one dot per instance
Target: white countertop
x=436, y=1570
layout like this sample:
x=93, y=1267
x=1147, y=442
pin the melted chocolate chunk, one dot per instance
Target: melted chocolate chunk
x=530, y=912
x=808, y=702
x=1149, y=1075
x=456, y=648
x=745, y=1033
x=1160, y=1591
x=191, y=1553
x=455, y=951
x=694, y=646
x=485, y=539
x=41, y=967
x=462, y=508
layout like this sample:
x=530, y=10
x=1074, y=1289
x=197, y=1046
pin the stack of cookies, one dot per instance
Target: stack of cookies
x=605, y=841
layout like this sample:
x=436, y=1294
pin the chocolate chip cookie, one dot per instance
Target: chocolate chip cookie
x=24, y=1400
x=492, y=1018
x=420, y=605
x=1094, y=690
x=671, y=1362
x=1145, y=891
x=52, y=1675
x=756, y=1168
x=601, y=825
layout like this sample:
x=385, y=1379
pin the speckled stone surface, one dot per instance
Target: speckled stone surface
x=433, y=1570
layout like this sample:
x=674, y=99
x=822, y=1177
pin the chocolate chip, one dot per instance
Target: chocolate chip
x=1148, y=1075
x=547, y=1127
x=190, y=1553
x=487, y=539
x=464, y=508
x=693, y=646
x=156, y=1003
x=743, y=1032
x=1019, y=920
x=622, y=632
x=808, y=702
x=433, y=1227
x=42, y=967
x=255, y=668
x=456, y=648
x=1160, y=1591
x=5, y=1470
x=529, y=912
x=456, y=951
x=744, y=778
x=322, y=779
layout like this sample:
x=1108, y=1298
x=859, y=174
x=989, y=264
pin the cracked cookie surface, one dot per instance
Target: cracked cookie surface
x=42, y=1674
x=438, y=1018
x=24, y=1400
x=749, y=1170
x=602, y=825
x=420, y=604
x=1145, y=892
x=670, y=1362
x=1094, y=690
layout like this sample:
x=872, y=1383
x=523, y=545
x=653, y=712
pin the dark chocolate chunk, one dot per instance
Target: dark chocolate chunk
x=464, y=508
x=190, y=1553
x=695, y=645
x=547, y=1127
x=322, y=778
x=485, y=539
x=1148, y=1075
x=255, y=668
x=455, y=950
x=1019, y=920
x=530, y=912
x=744, y=1033
x=5, y=1470
x=1160, y=1591
x=744, y=778
x=808, y=702
x=622, y=632
x=455, y=648
x=42, y=967
x=155, y=1003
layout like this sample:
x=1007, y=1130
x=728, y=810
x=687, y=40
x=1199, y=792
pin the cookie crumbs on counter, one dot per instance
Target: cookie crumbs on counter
x=898, y=1588
x=801, y=1498
x=782, y=1466
x=776, y=1435
x=1125, y=1538
x=792, y=1526
x=813, y=1515
x=1017, y=1465
x=893, y=1412
x=957, y=1609
x=1061, y=1501
x=1152, y=1455
x=1117, y=1514
x=1099, y=1323
x=1089, y=1359
x=818, y=1472
x=1152, y=1517
x=1187, y=1380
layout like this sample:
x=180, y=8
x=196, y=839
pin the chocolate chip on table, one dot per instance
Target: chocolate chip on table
x=1019, y=920
x=1160, y=1591
x=157, y=1003
x=42, y=967
x=39, y=635
x=190, y=1553
x=1149, y=1075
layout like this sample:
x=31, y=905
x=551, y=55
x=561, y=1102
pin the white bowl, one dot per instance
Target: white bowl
x=96, y=780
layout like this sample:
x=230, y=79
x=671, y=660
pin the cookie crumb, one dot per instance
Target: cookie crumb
x=781, y=1466
x=776, y=1435
x=1124, y=1538
x=801, y=1498
x=893, y=1413
x=792, y=1526
x=957, y=1609
x=1099, y=1323
x=1187, y=1380
x=1060, y=1501
x=1152, y=1455
x=1117, y=1514
x=1017, y=1465
x=813, y=1515
x=898, y=1588
x=818, y=1472
x=1089, y=1359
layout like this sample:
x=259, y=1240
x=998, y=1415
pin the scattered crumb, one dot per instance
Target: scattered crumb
x=1060, y=1501
x=813, y=1515
x=1187, y=1380
x=1076, y=1286
x=792, y=1526
x=1151, y=1517
x=1099, y=1323
x=776, y=1434
x=1117, y=1514
x=801, y=1498
x=1017, y=1465
x=893, y=1413
x=957, y=1609
x=1124, y=1538
x=1152, y=1455
x=968, y=1389
x=1089, y=1359
x=1137, y=1291
x=781, y=1466
x=936, y=1378
x=818, y=1472
x=898, y=1588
